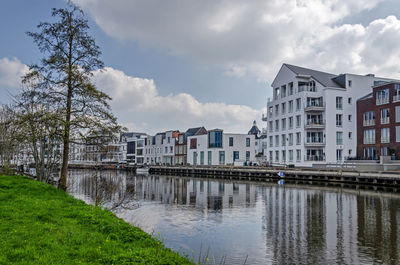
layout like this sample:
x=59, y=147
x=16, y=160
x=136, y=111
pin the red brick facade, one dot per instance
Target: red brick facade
x=369, y=103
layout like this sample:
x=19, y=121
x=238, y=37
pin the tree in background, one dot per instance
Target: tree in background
x=62, y=79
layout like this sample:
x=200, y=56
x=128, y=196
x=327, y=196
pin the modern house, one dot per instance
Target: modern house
x=160, y=149
x=181, y=144
x=219, y=148
x=311, y=118
x=378, y=122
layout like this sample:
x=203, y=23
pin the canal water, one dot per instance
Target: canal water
x=260, y=223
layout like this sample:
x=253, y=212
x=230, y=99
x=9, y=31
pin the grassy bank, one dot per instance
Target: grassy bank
x=40, y=224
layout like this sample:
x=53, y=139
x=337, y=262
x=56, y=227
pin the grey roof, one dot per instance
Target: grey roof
x=254, y=130
x=370, y=95
x=324, y=78
x=192, y=131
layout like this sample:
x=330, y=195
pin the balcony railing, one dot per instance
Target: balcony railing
x=369, y=140
x=385, y=120
x=314, y=124
x=306, y=88
x=314, y=107
x=369, y=122
x=314, y=141
x=385, y=139
x=396, y=98
x=381, y=101
x=314, y=158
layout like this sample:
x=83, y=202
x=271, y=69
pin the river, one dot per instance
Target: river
x=260, y=223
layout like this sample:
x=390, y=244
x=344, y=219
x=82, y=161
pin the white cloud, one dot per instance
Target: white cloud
x=11, y=71
x=140, y=107
x=256, y=37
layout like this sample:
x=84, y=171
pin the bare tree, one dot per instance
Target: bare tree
x=70, y=57
x=10, y=136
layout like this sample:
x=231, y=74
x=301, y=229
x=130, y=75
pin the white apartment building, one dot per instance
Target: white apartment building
x=160, y=149
x=219, y=148
x=312, y=116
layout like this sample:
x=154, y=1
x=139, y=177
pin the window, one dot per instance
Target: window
x=166, y=150
x=298, y=155
x=396, y=96
x=271, y=141
x=349, y=117
x=298, y=104
x=283, y=91
x=385, y=119
x=247, y=155
x=276, y=93
x=290, y=106
x=209, y=158
x=283, y=140
x=230, y=141
x=349, y=83
x=222, y=157
x=270, y=111
x=339, y=103
x=384, y=151
x=290, y=139
x=369, y=136
x=339, y=138
x=276, y=125
x=271, y=156
x=290, y=88
x=397, y=134
x=370, y=153
x=194, y=158
x=283, y=156
x=339, y=156
x=290, y=155
x=276, y=156
x=306, y=86
x=283, y=124
x=283, y=107
x=298, y=121
x=290, y=123
x=276, y=110
x=397, y=110
x=382, y=96
x=349, y=100
x=271, y=126
x=202, y=158
x=215, y=139
x=385, y=135
x=350, y=135
x=193, y=143
x=369, y=118
x=339, y=120
x=276, y=140
x=235, y=155
x=298, y=138
x=247, y=142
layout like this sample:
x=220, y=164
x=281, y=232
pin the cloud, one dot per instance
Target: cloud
x=11, y=71
x=140, y=107
x=255, y=37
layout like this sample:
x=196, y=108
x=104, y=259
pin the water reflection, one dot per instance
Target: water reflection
x=291, y=224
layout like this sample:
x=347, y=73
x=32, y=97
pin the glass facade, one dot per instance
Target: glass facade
x=215, y=139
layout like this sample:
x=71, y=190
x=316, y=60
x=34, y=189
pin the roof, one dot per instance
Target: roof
x=370, y=95
x=254, y=130
x=322, y=77
x=192, y=131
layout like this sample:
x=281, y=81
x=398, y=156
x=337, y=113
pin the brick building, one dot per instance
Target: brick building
x=378, y=122
x=181, y=144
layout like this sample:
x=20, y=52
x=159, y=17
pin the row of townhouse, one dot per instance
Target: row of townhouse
x=312, y=117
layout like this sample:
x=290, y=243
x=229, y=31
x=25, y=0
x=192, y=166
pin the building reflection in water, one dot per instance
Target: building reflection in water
x=272, y=224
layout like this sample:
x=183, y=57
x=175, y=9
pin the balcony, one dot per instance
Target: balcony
x=314, y=124
x=381, y=101
x=314, y=107
x=314, y=142
x=309, y=88
x=385, y=140
x=369, y=122
x=314, y=158
x=396, y=98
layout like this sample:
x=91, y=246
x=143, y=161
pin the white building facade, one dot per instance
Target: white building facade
x=218, y=148
x=311, y=118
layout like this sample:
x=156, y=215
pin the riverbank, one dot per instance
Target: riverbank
x=40, y=224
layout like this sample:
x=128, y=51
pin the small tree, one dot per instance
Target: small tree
x=63, y=79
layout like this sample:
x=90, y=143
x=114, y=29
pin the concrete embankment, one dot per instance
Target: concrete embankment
x=272, y=174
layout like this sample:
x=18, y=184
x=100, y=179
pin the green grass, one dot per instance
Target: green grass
x=40, y=224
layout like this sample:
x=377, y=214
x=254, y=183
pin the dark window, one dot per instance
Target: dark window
x=130, y=148
x=193, y=143
x=230, y=141
x=215, y=139
x=247, y=142
x=235, y=155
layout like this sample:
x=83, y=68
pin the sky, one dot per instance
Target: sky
x=180, y=64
